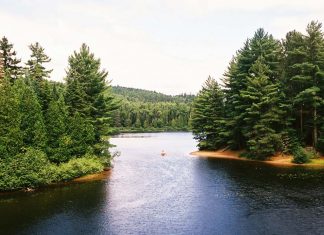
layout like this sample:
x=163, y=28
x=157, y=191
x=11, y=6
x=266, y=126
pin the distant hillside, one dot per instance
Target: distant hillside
x=134, y=94
x=146, y=111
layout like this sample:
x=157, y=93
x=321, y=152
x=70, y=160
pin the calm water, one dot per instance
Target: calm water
x=175, y=194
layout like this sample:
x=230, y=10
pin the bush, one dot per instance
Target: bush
x=33, y=169
x=301, y=156
x=78, y=167
x=28, y=169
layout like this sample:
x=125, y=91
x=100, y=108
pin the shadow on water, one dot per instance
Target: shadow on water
x=59, y=210
x=256, y=198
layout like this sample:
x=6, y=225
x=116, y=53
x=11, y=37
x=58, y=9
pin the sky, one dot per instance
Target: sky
x=169, y=46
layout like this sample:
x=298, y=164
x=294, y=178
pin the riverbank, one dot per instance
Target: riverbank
x=278, y=160
x=82, y=179
x=93, y=177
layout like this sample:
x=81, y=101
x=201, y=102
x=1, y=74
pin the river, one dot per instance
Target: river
x=175, y=194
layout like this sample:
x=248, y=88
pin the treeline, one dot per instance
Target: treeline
x=50, y=131
x=141, y=95
x=142, y=110
x=271, y=99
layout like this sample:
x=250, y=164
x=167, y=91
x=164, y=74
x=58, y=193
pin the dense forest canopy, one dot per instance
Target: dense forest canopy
x=143, y=110
x=141, y=95
x=271, y=99
x=52, y=131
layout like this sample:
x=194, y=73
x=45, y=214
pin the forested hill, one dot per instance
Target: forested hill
x=142, y=110
x=135, y=94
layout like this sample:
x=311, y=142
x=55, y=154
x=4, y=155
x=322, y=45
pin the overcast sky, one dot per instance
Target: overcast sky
x=169, y=46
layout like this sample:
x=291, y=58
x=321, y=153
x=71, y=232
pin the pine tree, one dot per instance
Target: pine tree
x=32, y=122
x=265, y=112
x=261, y=45
x=10, y=117
x=56, y=125
x=9, y=60
x=38, y=73
x=315, y=57
x=292, y=81
x=81, y=136
x=304, y=79
x=2, y=72
x=35, y=64
x=207, y=116
x=88, y=94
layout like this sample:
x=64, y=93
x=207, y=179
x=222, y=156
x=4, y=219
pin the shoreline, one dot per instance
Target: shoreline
x=79, y=180
x=92, y=177
x=276, y=160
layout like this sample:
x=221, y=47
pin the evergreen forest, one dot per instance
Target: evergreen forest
x=50, y=131
x=147, y=111
x=270, y=99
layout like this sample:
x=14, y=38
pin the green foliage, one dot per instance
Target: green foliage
x=36, y=71
x=32, y=124
x=303, y=80
x=56, y=124
x=140, y=95
x=82, y=136
x=43, y=139
x=28, y=169
x=11, y=138
x=33, y=169
x=87, y=93
x=10, y=62
x=78, y=167
x=264, y=46
x=208, y=116
x=264, y=112
x=274, y=100
x=142, y=110
x=301, y=156
x=35, y=64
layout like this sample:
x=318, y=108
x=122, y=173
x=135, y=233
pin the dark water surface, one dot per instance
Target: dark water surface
x=175, y=194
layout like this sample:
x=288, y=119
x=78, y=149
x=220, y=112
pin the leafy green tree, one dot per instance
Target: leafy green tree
x=10, y=62
x=207, y=116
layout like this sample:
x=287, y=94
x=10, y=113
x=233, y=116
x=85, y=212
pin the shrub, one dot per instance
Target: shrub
x=301, y=156
x=33, y=169
x=78, y=167
x=28, y=169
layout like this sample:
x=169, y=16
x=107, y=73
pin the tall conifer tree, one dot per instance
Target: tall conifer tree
x=207, y=116
x=10, y=62
x=88, y=94
x=38, y=74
